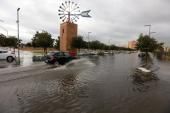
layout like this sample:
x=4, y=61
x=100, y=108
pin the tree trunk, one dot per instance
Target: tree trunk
x=45, y=51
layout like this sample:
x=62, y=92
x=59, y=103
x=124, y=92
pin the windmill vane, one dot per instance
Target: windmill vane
x=69, y=12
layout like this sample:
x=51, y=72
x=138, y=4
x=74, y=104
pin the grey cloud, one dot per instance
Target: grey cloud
x=119, y=20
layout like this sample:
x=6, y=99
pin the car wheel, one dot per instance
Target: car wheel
x=10, y=59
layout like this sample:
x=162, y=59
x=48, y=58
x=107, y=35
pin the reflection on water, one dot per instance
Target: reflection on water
x=26, y=58
x=5, y=64
x=89, y=85
x=139, y=76
x=146, y=62
x=53, y=96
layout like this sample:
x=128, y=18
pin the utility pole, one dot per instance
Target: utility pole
x=18, y=36
x=149, y=29
x=152, y=33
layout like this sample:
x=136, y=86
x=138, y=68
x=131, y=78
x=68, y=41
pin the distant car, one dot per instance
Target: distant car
x=58, y=57
x=9, y=56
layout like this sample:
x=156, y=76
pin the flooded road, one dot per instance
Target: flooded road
x=98, y=84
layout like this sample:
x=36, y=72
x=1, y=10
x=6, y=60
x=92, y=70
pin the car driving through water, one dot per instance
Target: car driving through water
x=59, y=57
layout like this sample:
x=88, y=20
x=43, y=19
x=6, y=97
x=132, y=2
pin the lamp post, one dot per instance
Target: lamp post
x=88, y=40
x=18, y=36
x=152, y=33
x=149, y=29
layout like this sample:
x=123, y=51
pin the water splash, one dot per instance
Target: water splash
x=76, y=64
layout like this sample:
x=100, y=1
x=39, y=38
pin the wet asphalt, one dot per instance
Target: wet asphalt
x=96, y=84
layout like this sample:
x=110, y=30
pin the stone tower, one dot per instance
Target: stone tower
x=68, y=31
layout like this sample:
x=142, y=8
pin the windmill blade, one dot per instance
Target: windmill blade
x=75, y=9
x=76, y=17
x=66, y=4
x=60, y=11
x=72, y=5
x=75, y=5
x=85, y=13
x=73, y=19
x=61, y=8
x=62, y=16
x=69, y=3
x=64, y=19
x=63, y=5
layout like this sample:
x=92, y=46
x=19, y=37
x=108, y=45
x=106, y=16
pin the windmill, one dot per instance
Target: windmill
x=69, y=12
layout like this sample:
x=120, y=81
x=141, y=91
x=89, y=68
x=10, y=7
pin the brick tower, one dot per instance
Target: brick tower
x=68, y=31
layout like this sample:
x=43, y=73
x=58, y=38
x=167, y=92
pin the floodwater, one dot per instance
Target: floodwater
x=26, y=59
x=98, y=84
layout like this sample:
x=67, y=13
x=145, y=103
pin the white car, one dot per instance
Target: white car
x=9, y=56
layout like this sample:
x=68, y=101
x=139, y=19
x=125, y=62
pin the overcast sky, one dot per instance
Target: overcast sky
x=116, y=20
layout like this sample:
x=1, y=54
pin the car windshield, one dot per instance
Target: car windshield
x=66, y=54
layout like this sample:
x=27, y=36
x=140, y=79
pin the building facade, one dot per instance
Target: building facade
x=166, y=49
x=68, y=31
x=132, y=44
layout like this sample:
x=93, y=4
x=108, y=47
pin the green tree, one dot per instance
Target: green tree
x=147, y=44
x=95, y=44
x=113, y=47
x=11, y=41
x=78, y=42
x=43, y=40
x=29, y=44
x=2, y=40
x=34, y=40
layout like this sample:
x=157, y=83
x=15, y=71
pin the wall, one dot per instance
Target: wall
x=68, y=30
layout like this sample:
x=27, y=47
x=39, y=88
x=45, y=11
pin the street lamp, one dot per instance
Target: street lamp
x=88, y=40
x=152, y=33
x=18, y=36
x=149, y=29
